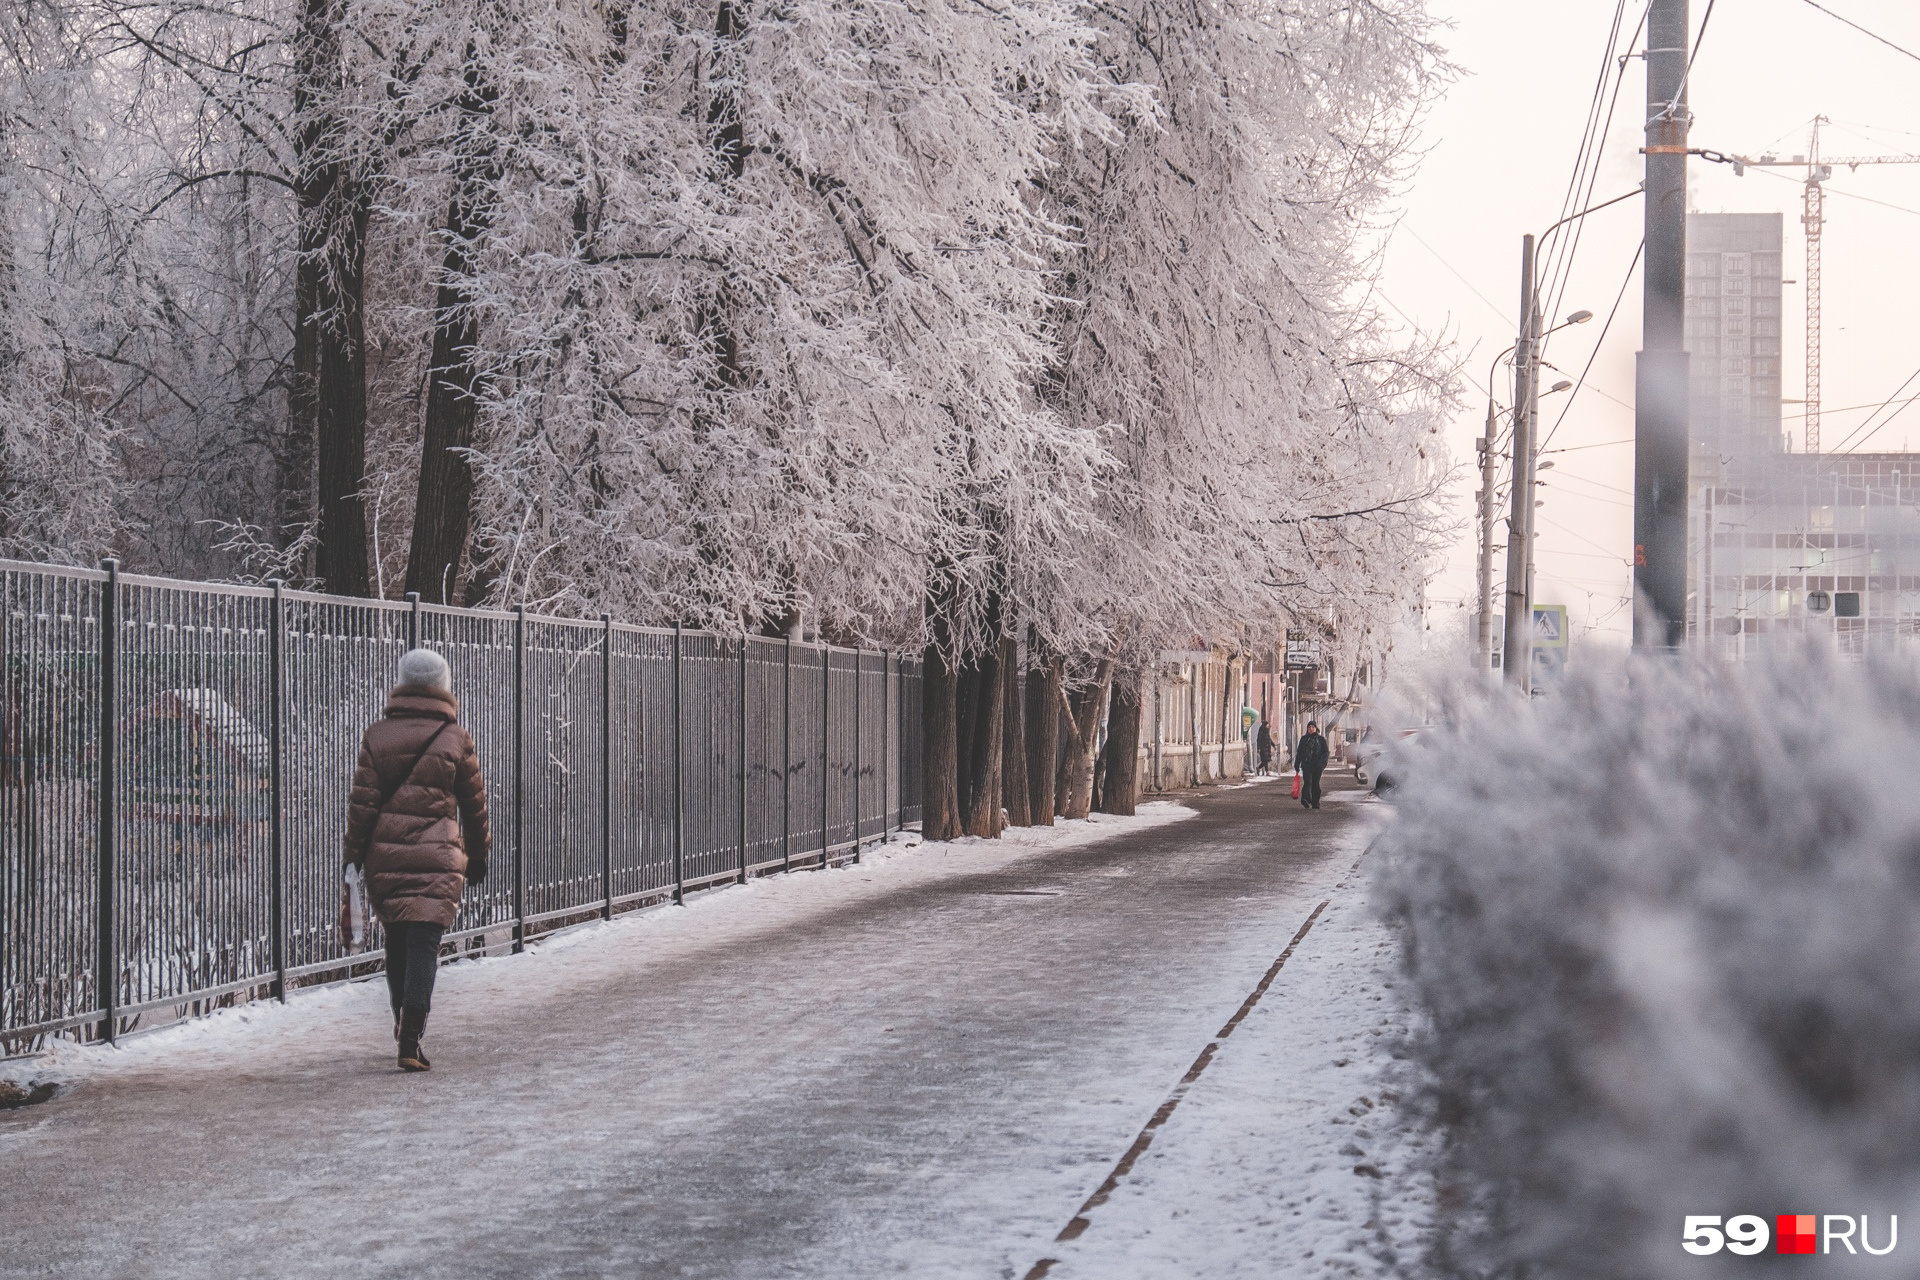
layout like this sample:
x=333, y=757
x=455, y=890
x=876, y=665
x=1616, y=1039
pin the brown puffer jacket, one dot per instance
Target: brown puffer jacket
x=432, y=836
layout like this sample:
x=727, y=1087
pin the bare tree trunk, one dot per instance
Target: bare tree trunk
x=443, y=509
x=940, y=798
x=1075, y=784
x=981, y=743
x=1045, y=677
x=1120, y=791
x=1013, y=766
x=332, y=211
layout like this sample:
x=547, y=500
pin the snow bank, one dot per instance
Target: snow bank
x=1667, y=928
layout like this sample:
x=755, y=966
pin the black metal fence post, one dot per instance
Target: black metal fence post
x=826, y=749
x=277, y=835
x=886, y=745
x=744, y=642
x=858, y=676
x=679, y=783
x=519, y=776
x=606, y=765
x=413, y=619
x=786, y=756
x=106, y=981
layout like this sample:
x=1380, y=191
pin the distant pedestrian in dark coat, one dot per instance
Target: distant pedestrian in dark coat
x=1310, y=757
x=417, y=829
x=1263, y=744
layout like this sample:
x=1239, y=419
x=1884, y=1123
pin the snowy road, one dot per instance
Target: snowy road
x=916, y=1067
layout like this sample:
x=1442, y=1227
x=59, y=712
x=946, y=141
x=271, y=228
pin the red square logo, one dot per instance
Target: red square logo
x=1794, y=1233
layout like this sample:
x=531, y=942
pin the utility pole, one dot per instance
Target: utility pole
x=1661, y=393
x=1483, y=638
x=1517, y=657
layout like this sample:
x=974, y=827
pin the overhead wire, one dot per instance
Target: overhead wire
x=1587, y=163
x=1864, y=426
x=1598, y=342
x=1872, y=35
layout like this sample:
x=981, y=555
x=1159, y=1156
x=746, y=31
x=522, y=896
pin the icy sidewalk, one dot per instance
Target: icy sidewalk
x=916, y=1067
x=1294, y=1153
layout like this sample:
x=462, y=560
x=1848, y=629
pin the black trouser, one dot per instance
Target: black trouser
x=413, y=958
x=1309, y=786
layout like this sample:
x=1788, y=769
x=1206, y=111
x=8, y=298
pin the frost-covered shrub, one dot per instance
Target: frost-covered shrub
x=1667, y=926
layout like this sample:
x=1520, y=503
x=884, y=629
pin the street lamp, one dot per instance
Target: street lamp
x=1526, y=395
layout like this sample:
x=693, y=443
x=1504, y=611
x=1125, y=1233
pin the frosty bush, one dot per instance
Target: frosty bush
x=1667, y=927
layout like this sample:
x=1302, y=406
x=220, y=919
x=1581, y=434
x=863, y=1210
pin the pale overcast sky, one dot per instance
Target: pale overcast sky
x=1501, y=148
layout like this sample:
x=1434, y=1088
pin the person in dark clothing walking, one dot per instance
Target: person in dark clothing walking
x=417, y=829
x=1263, y=745
x=1310, y=757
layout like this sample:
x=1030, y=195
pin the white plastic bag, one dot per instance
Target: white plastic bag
x=354, y=909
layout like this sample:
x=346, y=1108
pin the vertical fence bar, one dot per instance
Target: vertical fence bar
x=743, y=759
x=606, y=766
x=786, y=755
x=413, y=619
x=276, y=817
x=886, y=745
x=858, y=676
x=826, y=748
x=679, y=783
x=106, y=961
x=519, y=777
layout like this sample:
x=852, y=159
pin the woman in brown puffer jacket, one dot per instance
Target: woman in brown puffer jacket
x=417, y=829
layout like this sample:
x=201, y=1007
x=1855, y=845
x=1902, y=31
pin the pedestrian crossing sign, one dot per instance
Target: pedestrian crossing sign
x=1549, y=626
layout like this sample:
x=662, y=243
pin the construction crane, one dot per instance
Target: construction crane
x=1819, y=169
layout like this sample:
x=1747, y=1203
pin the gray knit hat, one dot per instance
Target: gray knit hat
x=425, y=669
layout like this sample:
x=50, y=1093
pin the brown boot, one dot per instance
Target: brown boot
x=413, y=1025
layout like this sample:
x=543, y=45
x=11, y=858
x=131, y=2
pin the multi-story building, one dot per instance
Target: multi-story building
x=1782, y=544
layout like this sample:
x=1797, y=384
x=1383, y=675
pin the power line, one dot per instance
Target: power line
x=1876, y=406
x=1597, y=342
x=1862, y=30
x=1575, y=448
x=1560, y=271
x=1456, y=275
x=1586, y=159
x=1876, y=413
x=1835, y=191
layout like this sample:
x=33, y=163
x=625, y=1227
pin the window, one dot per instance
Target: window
x=1733, y=264
x=1735, y=365
x=1733, y=285
x=1846, y=604
x=1735, y=386
x=1736, y=327
x=1735, y=306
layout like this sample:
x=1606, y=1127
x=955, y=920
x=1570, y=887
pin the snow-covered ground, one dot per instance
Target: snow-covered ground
x=920, y=1066
x=1295, y=1153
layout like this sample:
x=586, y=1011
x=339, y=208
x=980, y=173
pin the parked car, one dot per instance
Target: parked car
x=1373, y=764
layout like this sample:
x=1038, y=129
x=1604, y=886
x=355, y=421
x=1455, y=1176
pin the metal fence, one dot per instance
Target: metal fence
x=175, y=762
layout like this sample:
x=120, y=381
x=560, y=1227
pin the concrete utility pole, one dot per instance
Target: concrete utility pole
x=1661, y=393
x=1483, y=638
x=1517, y=657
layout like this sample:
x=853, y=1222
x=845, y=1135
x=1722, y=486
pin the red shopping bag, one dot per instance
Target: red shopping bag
x=1296, y=784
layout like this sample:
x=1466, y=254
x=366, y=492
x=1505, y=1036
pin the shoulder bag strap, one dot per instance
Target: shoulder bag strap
x=388, y=793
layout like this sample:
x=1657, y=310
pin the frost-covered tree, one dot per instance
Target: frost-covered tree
x=1277, y=455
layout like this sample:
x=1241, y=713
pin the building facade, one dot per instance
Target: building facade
x=1784, y=547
